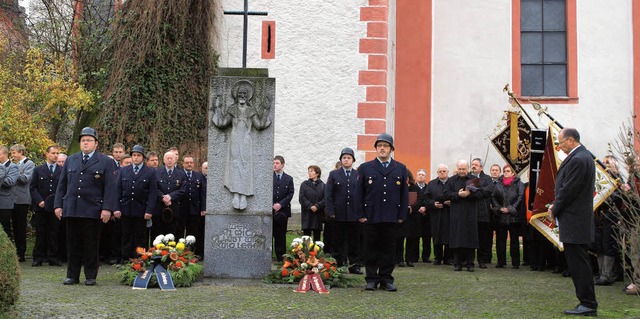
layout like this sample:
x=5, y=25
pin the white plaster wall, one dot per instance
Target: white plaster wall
x=316, y=70
x=471, y=65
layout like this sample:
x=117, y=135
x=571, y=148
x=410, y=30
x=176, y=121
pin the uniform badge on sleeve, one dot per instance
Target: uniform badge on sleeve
x=398, y=183
x=97, y=176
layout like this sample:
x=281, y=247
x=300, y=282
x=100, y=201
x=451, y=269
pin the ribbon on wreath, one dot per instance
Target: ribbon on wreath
x=311, y=281
x=165, y=282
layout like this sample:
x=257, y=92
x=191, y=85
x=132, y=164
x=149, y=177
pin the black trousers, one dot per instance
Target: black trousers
x=442, y=252
x=19, y=223
x=425, y=226
x=581, y=274
x=47, y=227
x=83, y=237
x=399, y=255
x=193, y=225
x=463, y=257
x=346, y=242
x=328, y=237
x=379, y=249
x=163, y=225
x=539, y=252
x=5, y=221
x=501, y=243
x=280, y=236
x=412, y=249
x=134, y=234
x=485, y=241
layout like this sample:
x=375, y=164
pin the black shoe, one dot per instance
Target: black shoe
x=355, y=270
x=90, y=282
x=457, y=268
x=389, y=287
x=557, y=271
x=55, y=263
x=566, y=273
x=400, y=264
x=428, y=261
x=470, y=269
x=581, y=310
x=370, y=286
x=437, y=262
x=113, y=261
x=410, y=264
x=516, y=267
x=499, y=266
x=603, y=282
x=36, y=263
x=70, y=281
x=482, y=265
x=22, y=259
x=448, y=263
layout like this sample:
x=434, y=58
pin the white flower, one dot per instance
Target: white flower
x=320, y=266
x=320, y=244
x=295, y=242
x=168, y=238
x=315, y=270
x=303, y=266
x=157, y=241
x=159, y=238
x=190, y=240
x=181, y=240
x=306, y=238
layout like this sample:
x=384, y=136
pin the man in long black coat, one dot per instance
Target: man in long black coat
x=573, y=208
x=439, y=212
x=465, y=197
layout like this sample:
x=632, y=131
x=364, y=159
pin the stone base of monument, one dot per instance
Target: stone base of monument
x=240, y=179
x=238, y=246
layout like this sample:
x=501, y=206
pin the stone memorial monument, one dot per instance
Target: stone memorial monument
x=240, y=179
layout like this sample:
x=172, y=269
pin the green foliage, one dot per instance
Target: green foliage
x=159, y=75
x=9, y=273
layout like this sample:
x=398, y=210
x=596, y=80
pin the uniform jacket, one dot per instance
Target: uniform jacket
x=43, y=187
x=174, y=186
x=8, y=178
x=573, y=204
x=312, y=193
x=137, y=193
x=21, y=190
x=283, y=193
x=412, y=225
x=339, y=195
x=511, y=197
x=382, y=194
x=484, y=206
x=85, y=190
x=195, y=196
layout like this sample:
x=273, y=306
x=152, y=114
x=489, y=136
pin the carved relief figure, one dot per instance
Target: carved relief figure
x=241, y=116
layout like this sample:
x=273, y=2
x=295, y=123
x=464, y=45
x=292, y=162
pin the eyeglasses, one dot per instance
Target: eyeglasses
x=561, y=141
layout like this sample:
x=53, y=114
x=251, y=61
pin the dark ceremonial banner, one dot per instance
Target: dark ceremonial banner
x=502, y=143
x=538, y=143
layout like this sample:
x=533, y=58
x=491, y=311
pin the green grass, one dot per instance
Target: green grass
x=426, y=291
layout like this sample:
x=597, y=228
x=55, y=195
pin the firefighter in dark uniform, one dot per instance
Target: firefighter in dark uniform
x=193, y=205
x=171, y=187
x=137, y=190
x=339, y=192
x=85, y=199
x=43, y=191
x=382, y=199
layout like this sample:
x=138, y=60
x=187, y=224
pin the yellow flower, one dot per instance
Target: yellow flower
x=172, y=243
x=180, y=246
x=316, y=248
x=160, y=246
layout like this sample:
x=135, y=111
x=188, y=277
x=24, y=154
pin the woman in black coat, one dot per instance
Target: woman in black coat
x=312, y=203
x=507, y=198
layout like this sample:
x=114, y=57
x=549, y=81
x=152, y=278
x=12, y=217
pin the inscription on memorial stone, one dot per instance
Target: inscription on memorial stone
x=238, y=236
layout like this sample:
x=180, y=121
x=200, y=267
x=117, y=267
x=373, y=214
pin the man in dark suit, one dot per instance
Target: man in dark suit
x=137, y=190
x=282, y=194
x=382, y=201
x=339, y=192
x=43, y=191
x=171, y=187
x=194, y=203
x=485, y=231
x=85, y=197
x=573, y=208
x=438, y=207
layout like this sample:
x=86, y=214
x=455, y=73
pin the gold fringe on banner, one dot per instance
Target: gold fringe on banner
x=514, y=135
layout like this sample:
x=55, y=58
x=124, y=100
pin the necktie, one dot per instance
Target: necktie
x=85, y=159
x=189, y=175
x=51, y=169
x=348, y=174
x=170, y=171
x=385, y=164
x=278, y=178
x=135, y=169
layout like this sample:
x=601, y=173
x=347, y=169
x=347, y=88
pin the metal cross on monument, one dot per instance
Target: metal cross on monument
x=246, y=13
